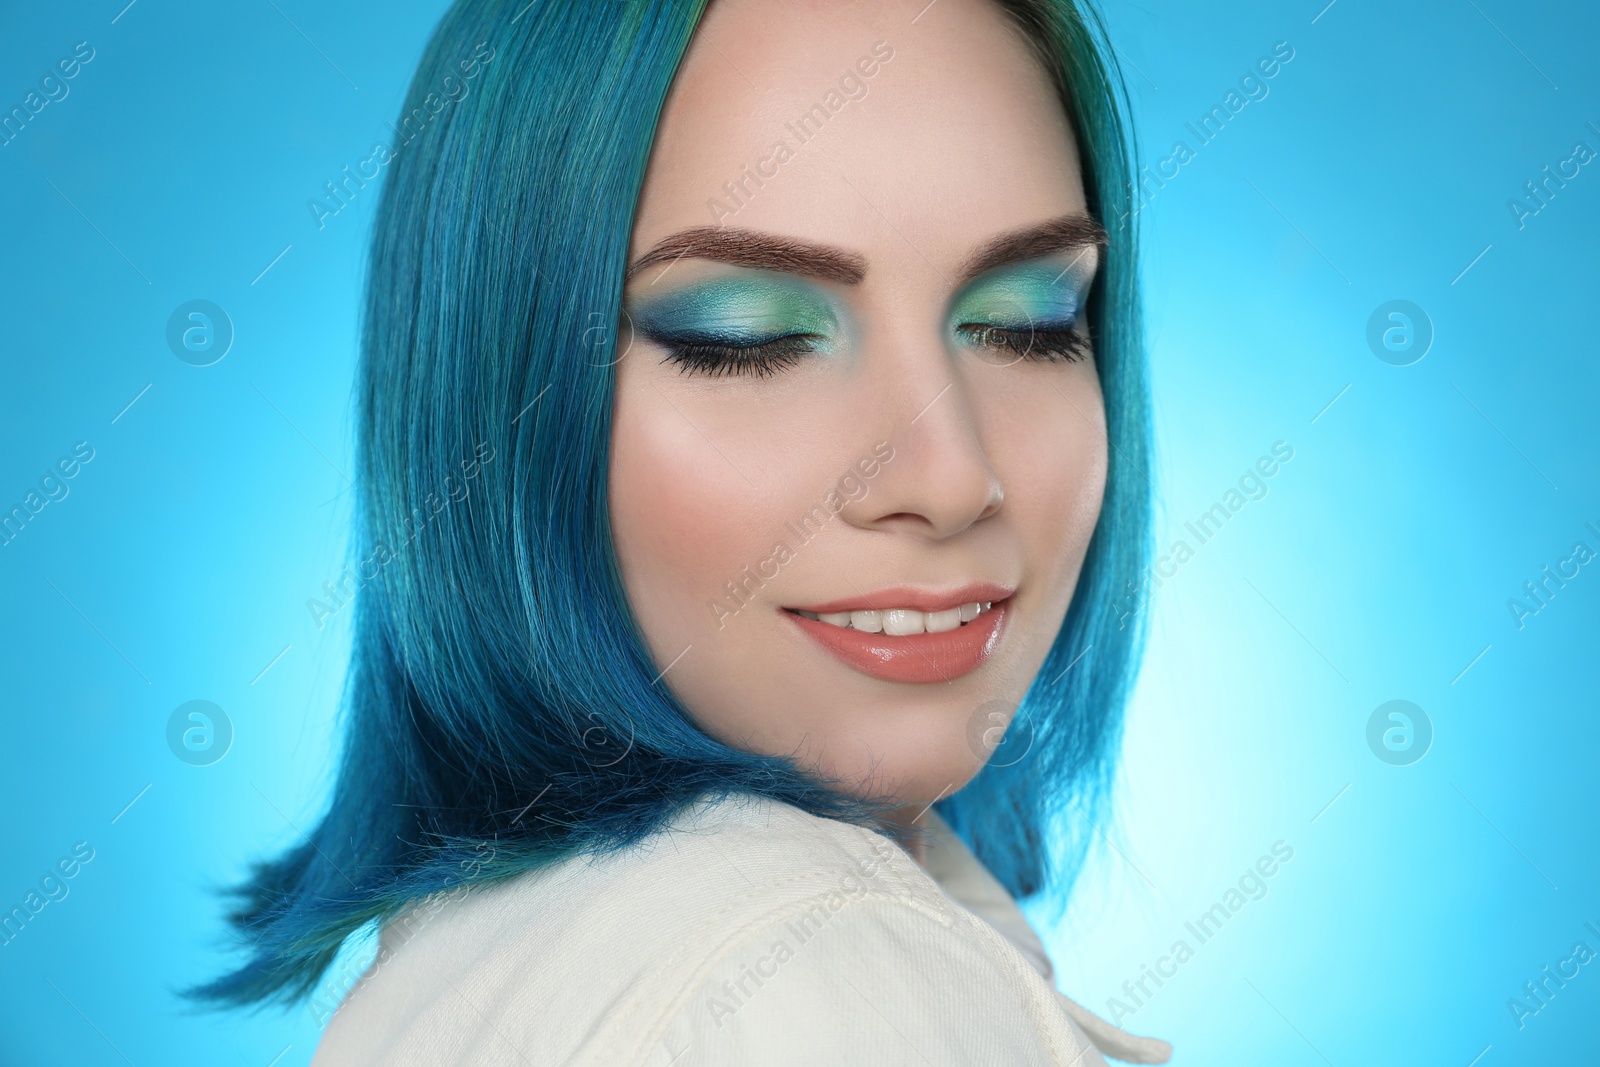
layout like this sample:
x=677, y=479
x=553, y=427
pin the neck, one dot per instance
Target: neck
x=913, y=818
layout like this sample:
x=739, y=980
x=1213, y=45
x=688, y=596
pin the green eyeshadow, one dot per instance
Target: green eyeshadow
x=1040, y=294
x=742, y=309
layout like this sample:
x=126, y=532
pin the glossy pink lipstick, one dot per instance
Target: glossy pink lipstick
x=923, y=657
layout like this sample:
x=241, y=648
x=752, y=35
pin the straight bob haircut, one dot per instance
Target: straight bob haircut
x=499, y=692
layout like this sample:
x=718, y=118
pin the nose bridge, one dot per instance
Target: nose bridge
x=940, y=480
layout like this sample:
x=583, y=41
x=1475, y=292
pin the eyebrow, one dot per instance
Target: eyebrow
x=764, y=251
x=1057, y=235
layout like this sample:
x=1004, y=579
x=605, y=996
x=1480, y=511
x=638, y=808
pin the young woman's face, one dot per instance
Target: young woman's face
x=859, y=443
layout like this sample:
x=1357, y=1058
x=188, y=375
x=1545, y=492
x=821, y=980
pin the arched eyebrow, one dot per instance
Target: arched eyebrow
x=764, y=251
x=1057, y=235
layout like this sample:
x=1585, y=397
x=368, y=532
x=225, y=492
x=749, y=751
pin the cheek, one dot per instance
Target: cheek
x=697, y=494
x=1054, y=469
x=675, y=510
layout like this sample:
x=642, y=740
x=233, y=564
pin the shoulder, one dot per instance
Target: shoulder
x=608, y=959
x=878, y=981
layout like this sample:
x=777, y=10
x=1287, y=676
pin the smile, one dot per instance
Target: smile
x=902, y=622
x=932, y=638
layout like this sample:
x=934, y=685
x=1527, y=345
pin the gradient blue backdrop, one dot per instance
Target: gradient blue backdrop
x=1379, y=565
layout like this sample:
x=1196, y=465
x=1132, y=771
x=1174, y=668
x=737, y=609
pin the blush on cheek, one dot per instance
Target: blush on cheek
x=681, y=519
x=1054, y=467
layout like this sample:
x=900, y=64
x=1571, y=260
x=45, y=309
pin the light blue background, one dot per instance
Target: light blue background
x=1419, y=899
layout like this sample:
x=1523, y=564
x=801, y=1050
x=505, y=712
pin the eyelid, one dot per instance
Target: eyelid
x=1040, y=294
x=742, y=322
x=1072, y=276
x=741, y=293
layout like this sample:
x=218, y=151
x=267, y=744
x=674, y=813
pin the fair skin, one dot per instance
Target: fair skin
x=893, y=315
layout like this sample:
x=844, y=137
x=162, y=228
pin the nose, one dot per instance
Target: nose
x=940, y=480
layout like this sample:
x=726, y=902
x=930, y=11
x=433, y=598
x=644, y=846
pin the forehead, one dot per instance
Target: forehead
x=862, y=125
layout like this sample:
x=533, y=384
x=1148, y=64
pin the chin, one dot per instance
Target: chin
x=916, y=769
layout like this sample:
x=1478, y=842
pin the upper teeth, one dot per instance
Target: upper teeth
x=900, y=622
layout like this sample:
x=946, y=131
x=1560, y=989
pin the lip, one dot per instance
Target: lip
x=917, y=658
x=916, y=599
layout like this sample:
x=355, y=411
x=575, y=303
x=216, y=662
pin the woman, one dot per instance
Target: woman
x=753, y=442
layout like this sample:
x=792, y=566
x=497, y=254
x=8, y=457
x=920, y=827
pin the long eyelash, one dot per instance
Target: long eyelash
x=1045, y=345
x=760, y=361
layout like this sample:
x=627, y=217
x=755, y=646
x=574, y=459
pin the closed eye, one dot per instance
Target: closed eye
x=1043, y=342
x=714, y=358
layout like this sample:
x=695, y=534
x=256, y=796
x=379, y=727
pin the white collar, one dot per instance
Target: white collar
x=965, y=880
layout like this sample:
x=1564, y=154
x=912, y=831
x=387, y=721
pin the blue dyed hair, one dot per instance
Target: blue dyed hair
x=499, y=691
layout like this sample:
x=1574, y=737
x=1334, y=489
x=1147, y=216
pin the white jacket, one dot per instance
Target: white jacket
x=748, y=933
